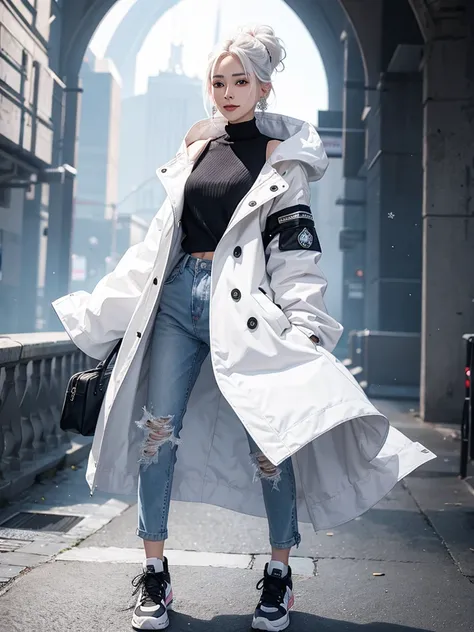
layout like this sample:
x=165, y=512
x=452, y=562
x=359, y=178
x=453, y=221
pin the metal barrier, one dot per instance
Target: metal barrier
x=34, y=372
x=467, y=420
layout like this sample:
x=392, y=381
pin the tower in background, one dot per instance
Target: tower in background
x=152, y=128
x=97, y=168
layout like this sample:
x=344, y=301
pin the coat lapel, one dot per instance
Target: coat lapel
x=268, y=185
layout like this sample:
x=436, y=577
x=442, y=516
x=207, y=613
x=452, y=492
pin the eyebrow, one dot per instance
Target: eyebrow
x=236, y=74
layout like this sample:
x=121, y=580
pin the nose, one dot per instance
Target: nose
x=228, y=94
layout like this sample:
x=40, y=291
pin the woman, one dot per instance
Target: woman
x=237, y=205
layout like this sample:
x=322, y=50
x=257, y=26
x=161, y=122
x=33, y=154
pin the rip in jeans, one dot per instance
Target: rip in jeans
x=265, y=470
x=158, y=431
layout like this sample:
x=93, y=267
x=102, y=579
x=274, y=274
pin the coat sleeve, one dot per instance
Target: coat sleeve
x=96, y=321
x=292, y=252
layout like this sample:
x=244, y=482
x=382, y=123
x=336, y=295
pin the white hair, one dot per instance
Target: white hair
x=258, y=49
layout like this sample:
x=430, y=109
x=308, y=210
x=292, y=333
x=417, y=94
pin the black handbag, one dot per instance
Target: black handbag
x=84, y=394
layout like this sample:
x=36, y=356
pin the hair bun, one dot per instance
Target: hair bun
x=273, y=44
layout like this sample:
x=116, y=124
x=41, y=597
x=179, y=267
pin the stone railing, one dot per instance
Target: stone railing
x=34, y=372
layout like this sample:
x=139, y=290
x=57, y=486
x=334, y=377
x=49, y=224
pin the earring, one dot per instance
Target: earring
x=262, y=104
x=214, y=110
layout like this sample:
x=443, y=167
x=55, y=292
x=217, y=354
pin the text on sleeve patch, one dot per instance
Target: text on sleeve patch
x=295, y=227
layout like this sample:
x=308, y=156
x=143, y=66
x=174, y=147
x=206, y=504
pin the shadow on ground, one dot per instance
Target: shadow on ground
x=300, y=622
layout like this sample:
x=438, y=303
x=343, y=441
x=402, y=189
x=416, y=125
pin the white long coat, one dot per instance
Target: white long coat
x=293, y=396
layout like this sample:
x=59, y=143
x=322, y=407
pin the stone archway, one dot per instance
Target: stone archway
x=366, y=19
x=80, y=18
x=424, y=17
x=447, y=152
x=324, y=21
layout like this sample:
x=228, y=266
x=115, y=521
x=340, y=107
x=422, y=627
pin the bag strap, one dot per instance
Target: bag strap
x=105, y=363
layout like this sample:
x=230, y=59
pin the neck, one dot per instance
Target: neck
x=244, y=130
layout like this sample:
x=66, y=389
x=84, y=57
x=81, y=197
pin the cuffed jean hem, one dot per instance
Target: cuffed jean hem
x=152, y=537
x=295, y=541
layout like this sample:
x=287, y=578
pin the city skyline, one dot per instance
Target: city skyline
x=301, y=89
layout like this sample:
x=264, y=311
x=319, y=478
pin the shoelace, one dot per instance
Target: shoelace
x=153, y=585
x=274, y=589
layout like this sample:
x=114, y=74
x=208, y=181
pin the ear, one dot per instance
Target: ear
x=265, y=89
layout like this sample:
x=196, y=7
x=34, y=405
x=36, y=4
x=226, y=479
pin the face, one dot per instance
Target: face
x=234, y=93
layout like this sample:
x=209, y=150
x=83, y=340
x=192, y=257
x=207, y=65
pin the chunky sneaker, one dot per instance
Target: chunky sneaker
x=154, y=596
x=272, y=611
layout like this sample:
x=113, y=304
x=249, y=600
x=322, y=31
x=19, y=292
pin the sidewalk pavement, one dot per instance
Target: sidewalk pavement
x=406, y=565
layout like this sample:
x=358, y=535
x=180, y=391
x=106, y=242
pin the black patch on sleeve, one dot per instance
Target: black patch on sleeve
x=295, y=226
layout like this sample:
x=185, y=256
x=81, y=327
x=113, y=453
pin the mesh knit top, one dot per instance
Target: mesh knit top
x=221, y=176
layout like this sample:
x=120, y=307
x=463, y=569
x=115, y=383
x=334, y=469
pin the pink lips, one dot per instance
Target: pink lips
x=230, y=107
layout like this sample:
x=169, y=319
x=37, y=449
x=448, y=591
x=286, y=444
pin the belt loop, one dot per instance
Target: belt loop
x=184, y=261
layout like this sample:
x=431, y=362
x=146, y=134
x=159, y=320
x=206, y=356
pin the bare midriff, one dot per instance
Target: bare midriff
x=203, y=255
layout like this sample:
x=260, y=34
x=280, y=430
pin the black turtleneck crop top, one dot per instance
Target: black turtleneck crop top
x=222, y=175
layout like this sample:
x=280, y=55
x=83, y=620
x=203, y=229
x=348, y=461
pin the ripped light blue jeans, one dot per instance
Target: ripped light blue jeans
x=180, y=343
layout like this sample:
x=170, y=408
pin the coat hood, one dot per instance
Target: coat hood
x=301, y=141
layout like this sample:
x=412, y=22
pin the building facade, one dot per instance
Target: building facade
x=27, y=92
x=95, y=215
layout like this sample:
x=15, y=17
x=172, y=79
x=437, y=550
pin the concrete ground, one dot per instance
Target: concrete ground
x=420, y=537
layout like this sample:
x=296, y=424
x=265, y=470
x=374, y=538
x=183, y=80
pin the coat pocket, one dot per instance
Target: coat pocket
x=273, y=315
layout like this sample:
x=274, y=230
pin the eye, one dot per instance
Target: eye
x=217, y=84
x=242, y=82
